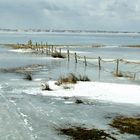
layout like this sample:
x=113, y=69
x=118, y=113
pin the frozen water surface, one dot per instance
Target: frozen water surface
x=26, y=114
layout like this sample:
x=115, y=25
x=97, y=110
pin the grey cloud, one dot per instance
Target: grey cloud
x=84, y=14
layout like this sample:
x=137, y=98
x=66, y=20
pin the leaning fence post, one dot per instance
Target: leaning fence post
x=36, y=46
x=60, y=51
x=52, y=49
x=85, y=60
x=68, y=52
x=117, y=69
x=42, y=49
x=46, y=50
x=99, y=62
x=55, y=50
x=134, y=76
x=49, y=50
x=75, y=57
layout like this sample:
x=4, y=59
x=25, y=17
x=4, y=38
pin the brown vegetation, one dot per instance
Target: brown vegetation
x=127, y=125
x=81, y=133
x=132, y=46
x=58, y=55
x=125, y=75
x=71, y=79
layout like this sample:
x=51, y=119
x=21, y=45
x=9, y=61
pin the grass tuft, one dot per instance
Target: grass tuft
x=71, y=79
x=57, y=55
x=78, y=101
x=46, y=87
x=83, y=78
x=28, y=77
x=125, y=75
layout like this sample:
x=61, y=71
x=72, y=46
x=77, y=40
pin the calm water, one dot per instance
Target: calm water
x=74, y=39
x=26, y=114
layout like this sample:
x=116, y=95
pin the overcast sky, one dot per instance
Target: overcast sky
x=123, y=15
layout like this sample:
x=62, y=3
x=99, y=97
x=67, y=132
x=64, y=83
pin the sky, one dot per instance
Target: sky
x=110, y=15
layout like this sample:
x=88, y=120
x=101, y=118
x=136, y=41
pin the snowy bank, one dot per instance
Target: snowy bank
x=110, y=92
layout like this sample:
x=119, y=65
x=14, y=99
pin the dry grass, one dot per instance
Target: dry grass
x=58, y=55
x=71, y=79
x=20, y=46
x=21, y=70
x=132, y=46
x=125, y=75
x=82, y=133
x=127, y=125
x=119, y=74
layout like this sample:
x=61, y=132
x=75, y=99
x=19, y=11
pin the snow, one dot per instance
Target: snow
x=110, y=92
x=21, y=50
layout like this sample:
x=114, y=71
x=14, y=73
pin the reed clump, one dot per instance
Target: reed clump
x=83, y=78
x=58, y=55
x=125, y=75
x=119, y=74
x=46, y=87
x=28, y=77
x=71, y=79
x=78, y=101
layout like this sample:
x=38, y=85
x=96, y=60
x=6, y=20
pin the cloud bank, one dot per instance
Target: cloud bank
x=123, y=15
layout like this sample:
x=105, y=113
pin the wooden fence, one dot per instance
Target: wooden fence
x=52, y=49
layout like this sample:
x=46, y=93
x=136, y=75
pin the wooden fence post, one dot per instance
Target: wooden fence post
x=134, y=76
x=52, y=50
x=75, y=57
x=85, y=61
x=117, y=69
x=99, y=62
x=49, y=50
x=46, y=50
x=68, y=53
x=60, y=51
x=42, y=49
x=55, y=50
x=36, y=46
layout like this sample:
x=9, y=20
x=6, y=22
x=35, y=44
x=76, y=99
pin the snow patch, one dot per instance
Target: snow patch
x=111, y=92
x=21, y=50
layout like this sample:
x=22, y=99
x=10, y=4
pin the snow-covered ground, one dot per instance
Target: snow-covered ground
x=21, y=50
x=107, y=92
